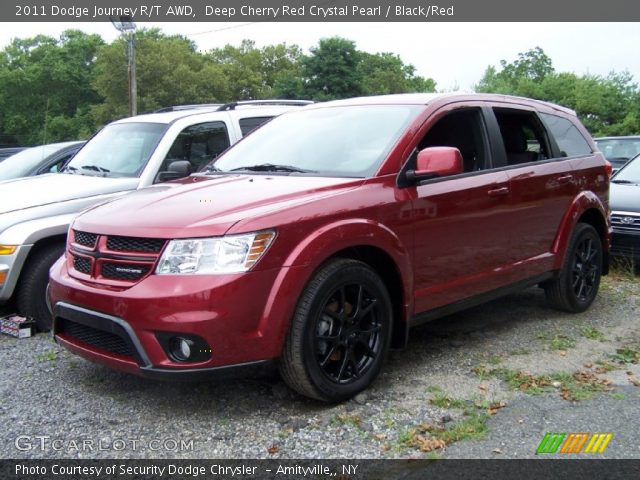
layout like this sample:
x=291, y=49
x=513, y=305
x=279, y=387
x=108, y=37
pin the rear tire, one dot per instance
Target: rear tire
x=32, y=286
x=576, y=287
x=340, y=333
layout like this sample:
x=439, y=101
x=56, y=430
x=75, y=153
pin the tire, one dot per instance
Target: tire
x=576, y=287
x=340, y=333
x=32, y=286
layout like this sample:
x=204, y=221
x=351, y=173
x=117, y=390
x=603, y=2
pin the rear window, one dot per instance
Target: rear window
x=251, y=123
x=568, y=137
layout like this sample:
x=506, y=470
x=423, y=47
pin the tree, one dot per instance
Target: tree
x=169, y=71
x=46, y=87
x=606, y=105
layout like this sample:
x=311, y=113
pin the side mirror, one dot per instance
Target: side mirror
x=436, y=162
x=175, y=170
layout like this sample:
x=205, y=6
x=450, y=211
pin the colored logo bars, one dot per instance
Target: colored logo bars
x=574, y=443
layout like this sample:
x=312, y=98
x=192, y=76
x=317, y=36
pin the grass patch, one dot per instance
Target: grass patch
x=346, y=419
x=561, y=342
x=627, y=354
x=618, y=396
x=441, y=400
x=573, y=387
x=481, y=372
x=520, y=351
x=48, y=356
x=429, y=438
x=592, y=333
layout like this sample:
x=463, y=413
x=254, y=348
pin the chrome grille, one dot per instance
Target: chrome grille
x=625, y=222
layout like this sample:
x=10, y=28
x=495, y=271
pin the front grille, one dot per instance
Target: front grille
x=96, y=338
x=133, y=244
x=123, y=271
x=82, y=264
x=625, y=245
x=85, y=239
x=625, y=223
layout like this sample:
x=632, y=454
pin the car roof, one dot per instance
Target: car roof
x=624, y=137
x=241, y=111
x=426, y=98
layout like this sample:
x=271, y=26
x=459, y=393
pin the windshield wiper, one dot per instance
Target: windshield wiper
x=270, y=167
x=69, y=168
x=210, y=169
x=96, y=168
x=626, y=182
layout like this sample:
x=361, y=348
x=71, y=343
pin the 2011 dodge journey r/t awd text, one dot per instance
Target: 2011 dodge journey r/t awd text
x=317, y=242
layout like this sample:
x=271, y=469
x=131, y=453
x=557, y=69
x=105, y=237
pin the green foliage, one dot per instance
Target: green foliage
x=606, y=105
x=45, y=86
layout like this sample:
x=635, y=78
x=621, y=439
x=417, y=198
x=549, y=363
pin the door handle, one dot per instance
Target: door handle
x=498, y=192
x=564, y=179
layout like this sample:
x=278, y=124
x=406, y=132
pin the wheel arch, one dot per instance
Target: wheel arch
x=586, y=208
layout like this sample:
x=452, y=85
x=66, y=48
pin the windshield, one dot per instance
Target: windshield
x=619, y=148
x=630, y=173
x=21, y=164
x=120, y=150
x=339, y=141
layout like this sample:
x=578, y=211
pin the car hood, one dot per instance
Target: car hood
x=205, y=206
x=42, y=190
x=624, y=197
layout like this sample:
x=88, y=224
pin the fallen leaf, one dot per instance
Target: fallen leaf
x=497, y=450
x=562, y=353
x=634, y=380
x=588, y=365
x=427, y=444
x=385, y=447
x=272, y=449
x=380, y=436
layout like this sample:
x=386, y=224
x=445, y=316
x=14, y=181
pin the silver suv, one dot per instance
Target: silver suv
x=125, y=155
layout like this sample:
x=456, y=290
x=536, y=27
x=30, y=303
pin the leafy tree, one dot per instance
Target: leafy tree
x=169, y=71
x=606, y=105
x=46, y=88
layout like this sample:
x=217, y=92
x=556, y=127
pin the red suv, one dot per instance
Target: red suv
x=320, y=239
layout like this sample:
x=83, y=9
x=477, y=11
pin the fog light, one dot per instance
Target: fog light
x=181, y=349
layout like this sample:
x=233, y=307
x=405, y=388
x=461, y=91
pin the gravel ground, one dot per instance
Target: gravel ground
x=485, y=383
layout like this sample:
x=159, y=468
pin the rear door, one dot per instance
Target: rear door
x=542, y=187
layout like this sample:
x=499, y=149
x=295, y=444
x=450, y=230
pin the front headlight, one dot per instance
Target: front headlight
x=206, y=256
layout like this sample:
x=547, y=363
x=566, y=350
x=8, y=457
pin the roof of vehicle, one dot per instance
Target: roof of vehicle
x=426, y=98
x=171, y=114
x=624, y=137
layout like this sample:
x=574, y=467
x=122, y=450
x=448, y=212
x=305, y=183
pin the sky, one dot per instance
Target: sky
x=454, y=54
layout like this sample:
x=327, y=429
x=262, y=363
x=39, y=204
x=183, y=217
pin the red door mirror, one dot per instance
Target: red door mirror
x=440, y=161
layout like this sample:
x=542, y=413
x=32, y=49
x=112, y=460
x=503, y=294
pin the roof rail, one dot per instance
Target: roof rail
x=176, y=108
x=233, y=105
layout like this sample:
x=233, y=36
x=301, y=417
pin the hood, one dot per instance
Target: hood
x=201, y=206
x=58, y=187
x=624, y=197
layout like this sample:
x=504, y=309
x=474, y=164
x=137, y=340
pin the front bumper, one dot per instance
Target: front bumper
x=241, y=317
x=626, y=244
x=12, y=265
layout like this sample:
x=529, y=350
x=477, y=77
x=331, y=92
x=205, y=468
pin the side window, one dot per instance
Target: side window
x=462, y=129
x=56, y=167
x=525, y=139
x=568, y=137
x=198, y=144
x=247, y=125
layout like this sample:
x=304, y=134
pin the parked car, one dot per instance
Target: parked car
x=128, y=154
x=625, y=212
x=618, y=150
x=6, y=152
x=319, y=240
x=38, y=160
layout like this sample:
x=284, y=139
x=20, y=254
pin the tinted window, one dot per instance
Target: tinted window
x=21, y=164
x=524, y=137
x=568, y=137
x=199, y=144
x=249, y=124
x=463, y=130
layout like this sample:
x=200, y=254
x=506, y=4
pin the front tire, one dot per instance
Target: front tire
x=340, y=333
x=32, y=287
x=577, y=285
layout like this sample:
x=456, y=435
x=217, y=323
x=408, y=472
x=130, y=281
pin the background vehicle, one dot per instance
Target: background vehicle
x=618, y=150
x=625, y=212
x=318, y=241
x=49, y=158
x=6, y=152
x=125, y=155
